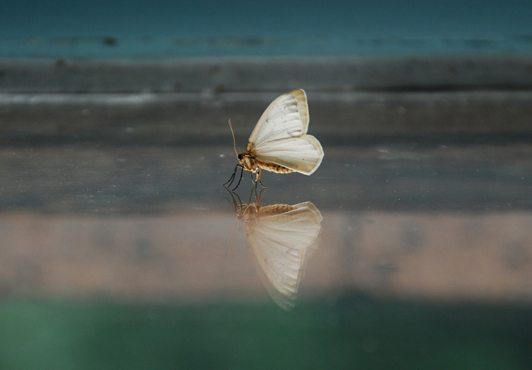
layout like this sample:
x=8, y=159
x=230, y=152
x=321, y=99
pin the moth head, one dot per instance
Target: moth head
x=240, y=157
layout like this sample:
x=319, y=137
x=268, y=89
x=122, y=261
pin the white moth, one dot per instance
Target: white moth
x=282, y=238
x=279, y=143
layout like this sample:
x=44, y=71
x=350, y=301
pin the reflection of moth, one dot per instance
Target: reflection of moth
x=282, y=238
x=279, y=142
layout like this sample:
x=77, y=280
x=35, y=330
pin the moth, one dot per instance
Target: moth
x=282, y=237
x=279, y=143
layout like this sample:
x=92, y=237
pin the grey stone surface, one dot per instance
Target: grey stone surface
x=267, y=74
x=345, y=118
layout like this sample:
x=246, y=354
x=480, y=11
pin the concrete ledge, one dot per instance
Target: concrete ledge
x=201, y=118
x=268, y=74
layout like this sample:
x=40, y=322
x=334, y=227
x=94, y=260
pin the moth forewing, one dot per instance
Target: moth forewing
x=288, y=114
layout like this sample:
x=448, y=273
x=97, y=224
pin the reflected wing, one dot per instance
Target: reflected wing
x=279, y=136
x=282, y=244
x=287, y=116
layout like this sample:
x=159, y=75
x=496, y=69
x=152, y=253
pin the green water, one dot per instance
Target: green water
x=350, y=333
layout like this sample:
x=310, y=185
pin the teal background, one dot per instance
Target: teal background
x=208, y=28
x=341, y=333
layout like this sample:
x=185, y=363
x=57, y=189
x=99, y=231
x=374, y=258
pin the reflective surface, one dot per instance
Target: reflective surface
x=119, y=255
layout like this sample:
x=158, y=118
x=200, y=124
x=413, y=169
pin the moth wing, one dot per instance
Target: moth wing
x=302, y=154
x=282, y=244
x=286, y=117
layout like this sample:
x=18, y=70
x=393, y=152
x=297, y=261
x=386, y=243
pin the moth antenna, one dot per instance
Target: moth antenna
x=233, y=132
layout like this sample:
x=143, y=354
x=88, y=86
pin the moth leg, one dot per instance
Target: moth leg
x=255, y=183
x=257, y=176
x=260, y=178
x=241, y=175
x=232, y=178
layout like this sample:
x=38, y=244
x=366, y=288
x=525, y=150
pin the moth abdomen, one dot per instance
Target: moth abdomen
x=272, y=167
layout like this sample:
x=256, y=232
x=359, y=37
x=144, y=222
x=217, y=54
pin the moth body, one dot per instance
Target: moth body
x=272, y=167
x=250, y=163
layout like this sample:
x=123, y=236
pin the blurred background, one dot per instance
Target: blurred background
x=116, y=231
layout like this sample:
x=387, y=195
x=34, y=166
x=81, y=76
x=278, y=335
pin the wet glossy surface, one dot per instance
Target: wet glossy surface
x=109, y=249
